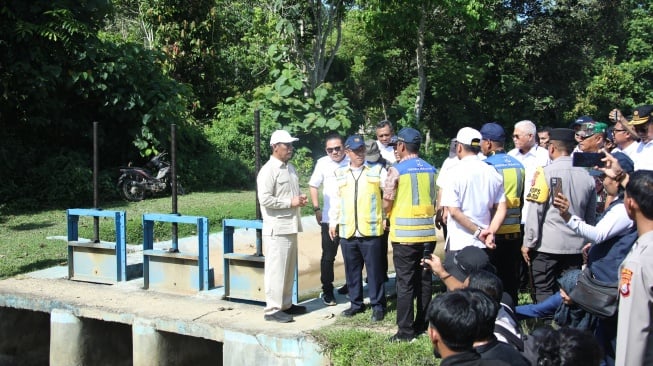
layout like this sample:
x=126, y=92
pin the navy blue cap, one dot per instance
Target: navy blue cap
x=409, y=135
x=493, y=131
x=354, y=142
x=580, y=120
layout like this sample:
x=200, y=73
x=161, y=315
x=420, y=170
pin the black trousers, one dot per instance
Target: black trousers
x=359, y=251
x=414, y=284
x=507, y=259
x=329, y=251
x=547, y=268
x=384, y=250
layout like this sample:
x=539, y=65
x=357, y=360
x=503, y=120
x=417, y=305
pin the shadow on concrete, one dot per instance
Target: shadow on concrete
x=34, y=266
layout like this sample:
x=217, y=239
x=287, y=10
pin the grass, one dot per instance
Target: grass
x=358, y=341
x=25, y=247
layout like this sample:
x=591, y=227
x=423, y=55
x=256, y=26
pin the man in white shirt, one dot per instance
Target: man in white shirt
x=642, y=123
x=475, y=200
x=529, y=154
x=532, y=156
x=626, y=141
x=384, y=133
x=325, y=174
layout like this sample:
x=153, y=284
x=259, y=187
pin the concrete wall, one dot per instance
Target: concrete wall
x=24, y=337
x=62, y=339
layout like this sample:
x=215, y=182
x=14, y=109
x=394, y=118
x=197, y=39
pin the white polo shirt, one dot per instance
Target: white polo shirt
x=325, y=174
x=643, y=156
x=387, y=152
x=475, y=188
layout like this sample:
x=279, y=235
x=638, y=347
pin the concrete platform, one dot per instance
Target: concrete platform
x=237, y=331
x=47, y=319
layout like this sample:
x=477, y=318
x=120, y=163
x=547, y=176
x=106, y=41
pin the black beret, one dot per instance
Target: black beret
x=562, y=134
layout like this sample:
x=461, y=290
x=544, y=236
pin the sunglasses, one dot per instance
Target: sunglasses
x=583, y=137
x=331, y=150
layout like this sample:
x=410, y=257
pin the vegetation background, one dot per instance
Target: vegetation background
x=308, y=66
x=137, y=66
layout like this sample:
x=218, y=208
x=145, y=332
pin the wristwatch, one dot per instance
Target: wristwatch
x=316, y=208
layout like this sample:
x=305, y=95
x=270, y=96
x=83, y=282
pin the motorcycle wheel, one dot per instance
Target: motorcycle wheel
x=131, y=191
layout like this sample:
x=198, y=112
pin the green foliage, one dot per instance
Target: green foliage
x=622, y=80
x=285, y=101
x=35, y=239
x=59, y=77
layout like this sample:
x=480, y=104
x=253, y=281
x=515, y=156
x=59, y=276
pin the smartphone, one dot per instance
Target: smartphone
x=427, y=255
x=556, y=187
x=588, y=159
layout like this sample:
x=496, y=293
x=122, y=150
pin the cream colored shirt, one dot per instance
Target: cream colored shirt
x=277, y=183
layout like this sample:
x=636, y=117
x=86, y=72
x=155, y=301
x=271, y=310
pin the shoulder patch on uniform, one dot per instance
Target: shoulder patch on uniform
x=624, y=284
x=539, y=191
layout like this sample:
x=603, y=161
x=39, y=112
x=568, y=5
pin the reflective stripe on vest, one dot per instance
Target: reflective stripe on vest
x=411, y=219
x=361, y=202
x=513, y=184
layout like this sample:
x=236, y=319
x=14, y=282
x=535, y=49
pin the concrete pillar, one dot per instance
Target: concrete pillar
x=66, y=339
x=149, y=346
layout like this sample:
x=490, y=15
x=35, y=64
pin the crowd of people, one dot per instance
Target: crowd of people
x=536, y=218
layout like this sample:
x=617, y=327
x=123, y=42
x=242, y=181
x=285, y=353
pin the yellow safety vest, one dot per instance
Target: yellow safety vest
x=411, y=219
x=513, y=184
x=361, y=202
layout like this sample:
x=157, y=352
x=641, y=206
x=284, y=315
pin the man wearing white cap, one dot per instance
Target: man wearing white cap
x=280, y=199
x=475, y=200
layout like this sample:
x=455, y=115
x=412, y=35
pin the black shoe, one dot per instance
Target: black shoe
x=295, y=310
x=344, y=290
x=401, y=338
x=351, y=312
x=378, y=315
x=328, y=298
x=279, y=317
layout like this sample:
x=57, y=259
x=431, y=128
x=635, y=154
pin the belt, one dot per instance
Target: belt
x=510, y=236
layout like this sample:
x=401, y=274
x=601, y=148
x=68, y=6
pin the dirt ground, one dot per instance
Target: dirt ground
x=310, y=250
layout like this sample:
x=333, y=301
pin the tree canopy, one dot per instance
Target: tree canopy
x=137, y=66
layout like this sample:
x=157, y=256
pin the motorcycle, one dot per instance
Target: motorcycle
x=134, y=182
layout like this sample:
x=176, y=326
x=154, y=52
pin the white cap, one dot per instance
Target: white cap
x=281, y=136
x=469, y=136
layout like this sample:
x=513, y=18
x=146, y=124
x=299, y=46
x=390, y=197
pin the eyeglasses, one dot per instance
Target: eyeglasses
x=286, y=144
x=619, y=130
x=331, y=150
x=516, y=136
x=583, y=137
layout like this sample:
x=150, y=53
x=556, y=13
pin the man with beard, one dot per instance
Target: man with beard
x=277, y=184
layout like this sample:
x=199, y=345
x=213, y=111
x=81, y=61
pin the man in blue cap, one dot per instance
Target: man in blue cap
x=409, y=200
x=507, y=255
x=358, y=216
